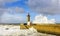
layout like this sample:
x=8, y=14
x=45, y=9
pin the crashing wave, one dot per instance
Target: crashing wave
x=16, y=31
x=43, y=19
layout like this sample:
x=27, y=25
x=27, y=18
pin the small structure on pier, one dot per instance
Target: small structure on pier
x=28, y=19
x=26, y=25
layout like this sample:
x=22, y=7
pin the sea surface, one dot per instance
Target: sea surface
x=13, y=30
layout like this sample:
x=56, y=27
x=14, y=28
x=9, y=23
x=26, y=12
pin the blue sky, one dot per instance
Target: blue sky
x=15, y=11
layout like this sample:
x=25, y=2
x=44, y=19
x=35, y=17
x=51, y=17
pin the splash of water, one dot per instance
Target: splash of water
x=16, y=31
x=43, y=19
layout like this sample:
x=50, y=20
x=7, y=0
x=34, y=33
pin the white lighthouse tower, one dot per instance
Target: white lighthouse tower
x=28, y=19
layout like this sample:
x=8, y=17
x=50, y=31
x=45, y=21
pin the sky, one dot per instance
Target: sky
x=15, y=11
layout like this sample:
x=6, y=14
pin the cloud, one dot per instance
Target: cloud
x=43, y=19
x=45, y=6
x=11, y=11
x=3, y=2
x=8, y=0
x=3, y=6
x=8, y=18
x=17, y=9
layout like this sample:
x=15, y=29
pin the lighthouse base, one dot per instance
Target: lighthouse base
x=28, y=23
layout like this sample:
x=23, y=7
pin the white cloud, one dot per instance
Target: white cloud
x=43, y=19
x=8, y=18
x=12, y=10
x=45, y=6
x=3, y=2
x=8, y=13
x=17, y=9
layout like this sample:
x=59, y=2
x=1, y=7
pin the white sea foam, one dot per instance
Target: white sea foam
x=16, y=31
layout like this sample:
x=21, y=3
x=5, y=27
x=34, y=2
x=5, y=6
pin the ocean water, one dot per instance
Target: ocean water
x=10, y=30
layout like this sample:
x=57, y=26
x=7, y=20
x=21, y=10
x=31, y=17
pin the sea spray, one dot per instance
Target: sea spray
x=16, y=31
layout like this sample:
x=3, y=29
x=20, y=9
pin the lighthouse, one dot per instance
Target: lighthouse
x=28, y=19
